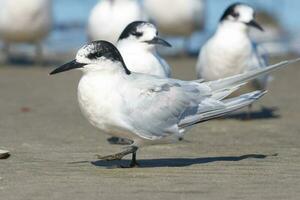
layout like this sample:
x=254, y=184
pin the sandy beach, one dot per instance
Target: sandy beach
x=53, y=147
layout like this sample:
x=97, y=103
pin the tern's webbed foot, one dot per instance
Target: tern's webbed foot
x=119, y=156
x=110, y=157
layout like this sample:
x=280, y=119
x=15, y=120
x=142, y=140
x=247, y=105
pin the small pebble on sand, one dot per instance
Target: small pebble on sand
x=4, y=154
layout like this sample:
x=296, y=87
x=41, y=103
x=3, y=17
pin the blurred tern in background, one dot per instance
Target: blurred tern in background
x=177, y=17
x=25, y=21
x=231, y=51
x=148, y=109
x=109, y=18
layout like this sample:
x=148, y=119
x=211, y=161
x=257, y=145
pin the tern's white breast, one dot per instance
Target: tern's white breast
x=101, y=103
x=227, y=53
x=25, y=20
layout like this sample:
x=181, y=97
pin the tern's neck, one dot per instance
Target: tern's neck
x=135, y=47
x=232, y=28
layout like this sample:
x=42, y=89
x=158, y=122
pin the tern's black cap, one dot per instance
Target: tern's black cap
x=104, y=49
x=94, y=51
x=131, y=29
x=101, y=48
x=230, y=11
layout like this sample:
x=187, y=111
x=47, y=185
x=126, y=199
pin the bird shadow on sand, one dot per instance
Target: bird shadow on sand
x=179, y=162
x=263, y=113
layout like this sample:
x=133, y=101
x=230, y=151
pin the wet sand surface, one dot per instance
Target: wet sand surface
x=53, y=147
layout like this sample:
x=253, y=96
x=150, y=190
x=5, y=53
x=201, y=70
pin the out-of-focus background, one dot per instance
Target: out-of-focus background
x=53, y=147
x=70, y=22
x=73, y=14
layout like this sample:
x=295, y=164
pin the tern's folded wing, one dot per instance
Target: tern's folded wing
x=154, y=111
x=211, y=109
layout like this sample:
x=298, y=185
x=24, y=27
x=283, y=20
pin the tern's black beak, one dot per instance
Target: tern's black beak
x=254, y=24
x=66, y=67
x=159, y=41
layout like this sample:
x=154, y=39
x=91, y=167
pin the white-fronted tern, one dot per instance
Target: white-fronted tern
x=137, y=45
x=149, y=109
x=231, y=51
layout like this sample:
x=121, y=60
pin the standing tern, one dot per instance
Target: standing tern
x=137, y=45
x=27, y=21
x=149, y=109
x=230, y=50
x=176, y=17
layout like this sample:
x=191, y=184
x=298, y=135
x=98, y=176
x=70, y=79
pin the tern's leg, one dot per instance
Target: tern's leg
x=119, y=156
x=134, y=163
x=38, y=53
x=6, y=51
x=248, y=117
x=119, y=141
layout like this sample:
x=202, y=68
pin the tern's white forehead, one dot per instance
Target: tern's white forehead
x=83, y=52
x=246, y=13
x=148, y=30
x=146, y=27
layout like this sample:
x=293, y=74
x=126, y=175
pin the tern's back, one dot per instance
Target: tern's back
x=109, y=18
x=176, y=17
x=25, y=21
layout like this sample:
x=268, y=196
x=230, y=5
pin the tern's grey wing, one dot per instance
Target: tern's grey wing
x=154, y=109
x=167, y=109
x=217, y=109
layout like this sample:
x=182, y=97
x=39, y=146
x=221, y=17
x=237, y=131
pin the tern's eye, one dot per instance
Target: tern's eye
x=94, y=56
x=235, y=15
x=137, y=34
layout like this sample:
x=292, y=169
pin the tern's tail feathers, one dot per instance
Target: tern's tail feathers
x=234, y=104
x=222, y=94
x=230, y=105
x=238, y=80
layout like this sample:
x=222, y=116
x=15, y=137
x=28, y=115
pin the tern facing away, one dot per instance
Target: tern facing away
x=109, y=17
x=148, y=109
x=27, y=21
x=176, y=17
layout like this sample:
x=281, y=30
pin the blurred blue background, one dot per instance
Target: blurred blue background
x=70, y=18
